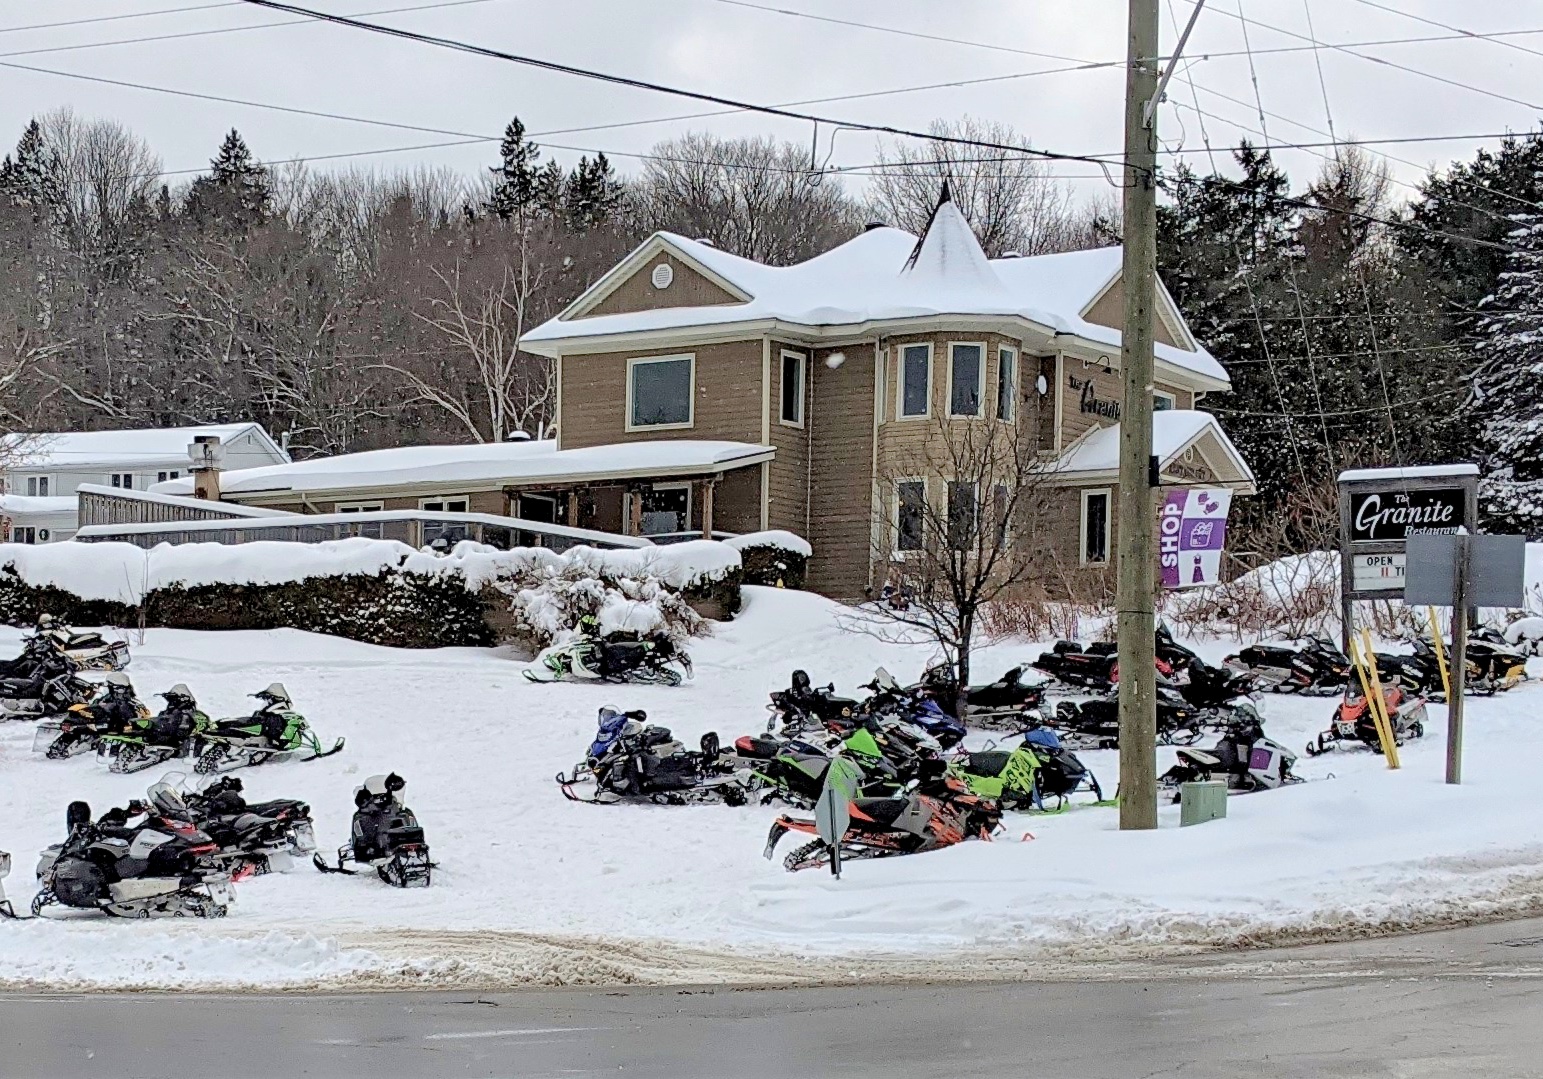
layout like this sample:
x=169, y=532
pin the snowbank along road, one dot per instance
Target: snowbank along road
x=533, y=889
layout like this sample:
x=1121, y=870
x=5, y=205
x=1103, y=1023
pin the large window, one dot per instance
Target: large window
x=915, y=380
x=37, y=486
x=124, y=480
x=1095, y=528
x=792, y=389
x=963, y=515
x=660, y=392
x=966, y=369
x=910, y=514
x=1007, y=382
x=162, y=477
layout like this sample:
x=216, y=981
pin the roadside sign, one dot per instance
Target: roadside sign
x=1393, y=514
x=1377, y=572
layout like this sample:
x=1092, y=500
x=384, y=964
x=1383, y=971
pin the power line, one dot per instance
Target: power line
x=118, y=18
x=1444, y=26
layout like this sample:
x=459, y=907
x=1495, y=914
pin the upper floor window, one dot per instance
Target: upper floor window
x=358, y=507
x=37, y=486
x=458, y=504
x=660, y=391
x=1162, y=401
x=162, y=477
x=966, y=367
x=915, y=380
x=1007, y=382
x=793, y=389
x=124, y=480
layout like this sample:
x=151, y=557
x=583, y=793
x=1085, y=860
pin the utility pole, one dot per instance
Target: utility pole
x=1135, y=563
x=1458, y=681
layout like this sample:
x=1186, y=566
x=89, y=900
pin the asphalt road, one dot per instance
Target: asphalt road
x=1466, y=1003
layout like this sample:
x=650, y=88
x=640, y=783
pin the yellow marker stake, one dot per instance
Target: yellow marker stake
x=1379, y=709
x=1441, y=655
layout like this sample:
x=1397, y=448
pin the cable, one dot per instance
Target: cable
x=1444, y=26
x=117, y=18
x=1323, y=86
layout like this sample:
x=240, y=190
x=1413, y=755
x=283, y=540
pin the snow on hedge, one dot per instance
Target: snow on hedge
x=775, y=537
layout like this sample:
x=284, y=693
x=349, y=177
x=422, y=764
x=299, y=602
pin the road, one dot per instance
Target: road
x=1465, y=1002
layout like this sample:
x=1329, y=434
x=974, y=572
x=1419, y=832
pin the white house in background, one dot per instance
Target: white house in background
x=37, y=497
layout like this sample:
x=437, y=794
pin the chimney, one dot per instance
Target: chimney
x=206, y=456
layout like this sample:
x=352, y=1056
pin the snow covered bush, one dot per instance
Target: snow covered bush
x=776, y=558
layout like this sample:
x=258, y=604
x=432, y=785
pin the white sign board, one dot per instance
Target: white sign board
x=1369, y=572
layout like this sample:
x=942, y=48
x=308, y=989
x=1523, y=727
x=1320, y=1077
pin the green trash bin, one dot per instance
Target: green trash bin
x=1200, y=802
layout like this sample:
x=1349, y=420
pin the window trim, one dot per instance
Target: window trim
x=1012, y=397
x=1167, y=395
x=803, y=385
x=114, y=480
x=423, y=503
x=896, y=552
x=677, y=485
x=970, y=540
x=168, y=474
x=900, y=350
x=980, y=381
x=634, y=361
x=1082, y=526
x=358, y=507
x=40, y=479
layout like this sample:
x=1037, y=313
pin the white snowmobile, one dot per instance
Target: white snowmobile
x=386, y=835
x=275, y=732
x=654, y=661
x=87, y=650
x=1245, y=758
x=6, y=910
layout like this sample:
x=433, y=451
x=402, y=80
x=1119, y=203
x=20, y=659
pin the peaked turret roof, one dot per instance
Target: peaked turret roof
x=948, y=258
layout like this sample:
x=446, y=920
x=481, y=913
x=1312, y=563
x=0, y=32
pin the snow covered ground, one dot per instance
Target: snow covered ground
x=535, y=889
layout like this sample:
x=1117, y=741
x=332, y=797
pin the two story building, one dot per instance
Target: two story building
x=842, y=364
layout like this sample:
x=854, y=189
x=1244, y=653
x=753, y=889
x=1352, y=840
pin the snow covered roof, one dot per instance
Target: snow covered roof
x=1173, y=432
x=883, y=276
x=82, y=450
x=487, y=465
x=1415, y=472
x=26, y=506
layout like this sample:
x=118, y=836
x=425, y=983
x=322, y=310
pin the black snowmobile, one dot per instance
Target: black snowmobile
x=57, y=697
x=1097, y=667
x=87, y=650
x=1095, y=724
x=275, y=732
x=1005, y=704
x=143, y=861
x=1494, y=664
x=1244, y=757
x=804, y=707
x=147, y=742
x=1313, y=666
x=386, y=835
x=23, y=690
x=114, y=711
x=633, y=761
x=254, y=837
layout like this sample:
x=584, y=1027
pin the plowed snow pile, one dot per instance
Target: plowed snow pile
x=535, y=889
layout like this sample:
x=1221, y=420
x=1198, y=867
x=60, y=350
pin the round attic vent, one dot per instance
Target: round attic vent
x=663, y=274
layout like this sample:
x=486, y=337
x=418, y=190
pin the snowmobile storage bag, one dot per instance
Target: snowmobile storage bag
x=654, y=773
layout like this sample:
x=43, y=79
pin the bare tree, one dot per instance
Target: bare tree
x=1010, y=200
x=756, y=198
x=107, y=179
x=962, y=538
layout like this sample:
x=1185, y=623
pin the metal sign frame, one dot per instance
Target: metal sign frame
x=1392, y=482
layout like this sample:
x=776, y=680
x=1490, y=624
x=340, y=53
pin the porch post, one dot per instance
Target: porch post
x=634, y=496
x=707, y=508
x=573, y=509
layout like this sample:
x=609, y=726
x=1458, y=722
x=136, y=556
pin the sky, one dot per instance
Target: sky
x=1009, y=64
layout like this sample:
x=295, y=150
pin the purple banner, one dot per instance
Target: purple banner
x=1191, y=532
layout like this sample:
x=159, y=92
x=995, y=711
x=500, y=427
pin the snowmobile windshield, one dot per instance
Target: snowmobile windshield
x=1042, y=736
x=884, y=680
x=168, y=803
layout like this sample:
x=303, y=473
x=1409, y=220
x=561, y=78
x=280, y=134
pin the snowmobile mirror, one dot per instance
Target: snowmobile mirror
x=77, y=814
x=395, y=783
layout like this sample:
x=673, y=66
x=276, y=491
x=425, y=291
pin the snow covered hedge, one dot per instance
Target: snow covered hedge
x=372, y=590
x=776, y=558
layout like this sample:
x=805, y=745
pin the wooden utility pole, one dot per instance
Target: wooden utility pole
x=1459, y=675
x=1135, y=561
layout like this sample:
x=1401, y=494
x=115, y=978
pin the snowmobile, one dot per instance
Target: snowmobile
x=1025, y=776
x=1095, y=724
x=803, y=707
x=254, y=837
x=22, y=691
x=56, y=697
x=1418, y=673
x=907, y=823
x=632, y=761
x=1493, y=663
x=386, y=835
x=1244, y=756
x=1313, y=666
x=6, y=910
x=153, y=740
x=793, y=771
x=145, y=861
x=1097, y=669
x=653, y=661
x=1004, y=704
x=1353, y=721
x=88, y=650
x=911, y=706
x=1223, y=695
x=115, y=710
x=275, y=732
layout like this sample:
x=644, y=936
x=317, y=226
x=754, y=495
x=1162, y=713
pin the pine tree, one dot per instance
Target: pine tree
x=592, y=195
x=237, y=193
x=550, y=184
x=515, y=177
x=1508, y=386
x=29, y=179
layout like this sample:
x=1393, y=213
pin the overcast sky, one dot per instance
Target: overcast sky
x=728, y=48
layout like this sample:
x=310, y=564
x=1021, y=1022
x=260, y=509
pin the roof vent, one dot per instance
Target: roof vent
x=1012, y=254
x=875, y=224
x=705, y=242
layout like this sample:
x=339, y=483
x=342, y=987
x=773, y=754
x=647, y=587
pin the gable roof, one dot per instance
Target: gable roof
x=1096, y=455
x=81, y=451
x=884, y=275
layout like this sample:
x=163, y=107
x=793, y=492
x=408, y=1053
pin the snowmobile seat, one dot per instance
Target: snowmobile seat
x=761, y=749
x=1200, y=757
x=1102, y=648
x=989, y=762
x=1061, y=648
x=881, y=810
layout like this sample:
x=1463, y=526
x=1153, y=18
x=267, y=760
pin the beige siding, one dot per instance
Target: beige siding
x=841, y=485
x=688, y=288
x=1109, y=311
x=728, y=396
x=737, y=502
x=788, y=474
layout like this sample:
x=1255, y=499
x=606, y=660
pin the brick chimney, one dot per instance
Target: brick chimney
x=206, y=455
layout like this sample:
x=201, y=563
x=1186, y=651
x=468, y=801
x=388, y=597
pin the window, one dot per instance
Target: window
x=1162, y=401
x=445, y=504
x=660, y=392
x=666, y=510
x=999, y=499
x=357, y=507
x=1007, y=383
x=124, y=480
x=915, y=380
x=910, y=512
x=1095, y=528
x=965, y=363
x=793, y=389
x=162, y=477
x=24, y=535
x=962, y=513
x=37, y=486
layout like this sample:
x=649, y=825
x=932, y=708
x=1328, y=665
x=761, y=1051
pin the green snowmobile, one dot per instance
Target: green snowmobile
x=275, y=732
x=1025, y=777
x=151, y=740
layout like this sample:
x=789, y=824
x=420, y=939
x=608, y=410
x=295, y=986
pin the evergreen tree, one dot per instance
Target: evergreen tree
x=593, y=194
x=237, y=193
x=515, y=178
x=1508, y=386
x=29, y=179
x=550, y=184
